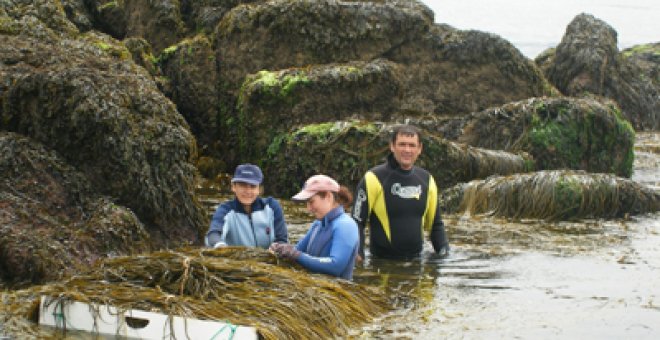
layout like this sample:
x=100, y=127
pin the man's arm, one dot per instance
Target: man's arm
x=360, y=212
x=434, y=220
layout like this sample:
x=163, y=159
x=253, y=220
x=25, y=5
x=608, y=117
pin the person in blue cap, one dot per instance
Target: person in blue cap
x=247, y=220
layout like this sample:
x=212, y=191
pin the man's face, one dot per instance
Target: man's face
x=406, y=149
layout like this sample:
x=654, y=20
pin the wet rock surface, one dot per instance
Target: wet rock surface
x=588, y=61
x=52, y=221
x=559, y=133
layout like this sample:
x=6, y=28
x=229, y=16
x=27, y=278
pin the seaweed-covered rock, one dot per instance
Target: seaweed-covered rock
x=453, y=72
x=346, y=150
x=280, y=34
x=42, y=19
x=52, y=221
x=204, y=15
x=88, y=101
x=78, y=13
x=647, y=58
x=142, y=54
x=559, y=133
x=190, y=68
x=157, y=21
x=588, y=61
x=553, y=195
x=271, y=103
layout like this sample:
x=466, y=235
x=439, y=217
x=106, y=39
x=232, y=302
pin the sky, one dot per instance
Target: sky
x=534, y=25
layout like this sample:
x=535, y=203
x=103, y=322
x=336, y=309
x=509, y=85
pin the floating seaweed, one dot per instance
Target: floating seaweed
x=553, y=195
x=243, y=286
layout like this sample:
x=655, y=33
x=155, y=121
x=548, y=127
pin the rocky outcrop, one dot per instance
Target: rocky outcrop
x=454, y=72
x=559, y=133
x=159, y=21
x=270, y=103
x=190, y=69
x=346, y=150
x=647, y=58
x=83, y=97
x=52, y=221
x=552, y=196
x=281, y=34
x=588, y=61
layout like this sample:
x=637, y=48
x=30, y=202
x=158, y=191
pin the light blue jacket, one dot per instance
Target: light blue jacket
x=232, y=225
x=331, y=245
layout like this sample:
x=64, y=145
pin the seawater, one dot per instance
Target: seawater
x=535, y=25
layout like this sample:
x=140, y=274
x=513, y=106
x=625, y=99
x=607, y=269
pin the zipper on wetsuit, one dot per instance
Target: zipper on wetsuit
x=254, y=234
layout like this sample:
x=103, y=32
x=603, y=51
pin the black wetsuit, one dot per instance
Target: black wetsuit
x=398, y=205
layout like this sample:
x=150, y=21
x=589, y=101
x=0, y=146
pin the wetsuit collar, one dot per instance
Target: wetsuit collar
x=392, y=163
x=332, y=214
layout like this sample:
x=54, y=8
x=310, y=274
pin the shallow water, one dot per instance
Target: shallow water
x=592, y=279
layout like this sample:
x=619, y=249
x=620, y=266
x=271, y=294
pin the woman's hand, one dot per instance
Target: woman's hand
x=285, y=250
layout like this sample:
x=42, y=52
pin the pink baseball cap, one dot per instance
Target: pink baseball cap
x=315, y=184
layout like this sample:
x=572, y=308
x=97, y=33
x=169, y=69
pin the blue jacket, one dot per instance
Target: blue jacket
x=331, y=245
x=232, y=225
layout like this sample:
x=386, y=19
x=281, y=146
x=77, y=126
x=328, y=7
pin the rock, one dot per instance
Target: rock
x=647, y=58
x=53, y=223
x=157, y=21
x=588, y=61
x=453, y=72
x=552, y=195
x=277, y=35
x=559, y=133
x=78, y=13
x=191, y=70
x=346, y=150
x=271, y=103
x=87, y=100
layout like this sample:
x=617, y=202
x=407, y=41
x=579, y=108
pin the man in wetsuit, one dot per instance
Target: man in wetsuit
x=399, y=201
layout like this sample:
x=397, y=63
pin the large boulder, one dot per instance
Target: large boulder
x=454, y=72
x=647, y=58
x=158, y=21
x=588, y=61
x=53, y=223
x=293, y=33
x=559, y=133
x=270, y=103
x=190, y=69
x=87, y=100
x=346, y=150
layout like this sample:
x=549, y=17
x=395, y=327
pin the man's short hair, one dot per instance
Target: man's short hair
x=406, y=130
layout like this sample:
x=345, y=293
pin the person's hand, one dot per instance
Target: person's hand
x=285, y=250
x=219, y=245
x=443, y=252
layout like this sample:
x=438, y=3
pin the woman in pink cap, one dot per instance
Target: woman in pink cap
x=332, y=242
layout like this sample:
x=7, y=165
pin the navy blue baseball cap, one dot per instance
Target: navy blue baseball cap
x=248, y=173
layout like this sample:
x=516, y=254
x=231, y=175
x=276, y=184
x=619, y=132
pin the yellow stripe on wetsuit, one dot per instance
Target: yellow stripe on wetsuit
x=431, y=204
x=377, y=202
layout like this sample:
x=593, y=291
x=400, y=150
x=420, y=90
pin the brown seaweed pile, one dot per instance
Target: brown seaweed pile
x=244, y=286
x=553, y=195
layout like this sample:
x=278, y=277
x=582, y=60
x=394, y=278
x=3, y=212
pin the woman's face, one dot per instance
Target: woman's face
x=245, y=193
x=320, y=206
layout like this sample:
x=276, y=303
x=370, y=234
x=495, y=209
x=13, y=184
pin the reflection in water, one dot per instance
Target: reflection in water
x=527, y=279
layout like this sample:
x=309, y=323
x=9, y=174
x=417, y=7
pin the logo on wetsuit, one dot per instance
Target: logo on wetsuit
x=361, y=198
x=406, y=192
